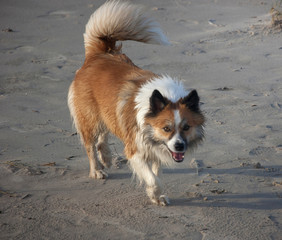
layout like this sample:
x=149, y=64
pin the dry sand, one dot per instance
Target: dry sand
x=229, y=189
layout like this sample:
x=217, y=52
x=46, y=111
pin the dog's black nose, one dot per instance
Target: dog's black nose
x=179, y=146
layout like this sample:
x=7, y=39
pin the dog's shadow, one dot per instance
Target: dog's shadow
x=121, y=176
x=178, y=170
x=257, y=201
x=264, y=171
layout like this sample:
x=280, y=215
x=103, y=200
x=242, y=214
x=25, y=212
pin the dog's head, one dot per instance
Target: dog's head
x=177, y=125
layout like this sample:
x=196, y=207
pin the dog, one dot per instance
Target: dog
x=156, y=118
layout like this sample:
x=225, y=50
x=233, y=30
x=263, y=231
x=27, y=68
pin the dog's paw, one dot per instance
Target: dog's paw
x=163, y=200
x=98, y=174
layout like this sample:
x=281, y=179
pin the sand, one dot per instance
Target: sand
x=230, y=188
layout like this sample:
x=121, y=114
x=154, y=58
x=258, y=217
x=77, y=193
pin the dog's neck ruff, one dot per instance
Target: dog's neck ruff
x=171, y=89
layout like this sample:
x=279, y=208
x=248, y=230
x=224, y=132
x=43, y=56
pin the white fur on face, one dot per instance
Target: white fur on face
x=176, y=138
x=171, y=143
x=177, y=119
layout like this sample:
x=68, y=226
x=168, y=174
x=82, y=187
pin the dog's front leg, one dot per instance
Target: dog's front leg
x=145, y=174
x=163, y=199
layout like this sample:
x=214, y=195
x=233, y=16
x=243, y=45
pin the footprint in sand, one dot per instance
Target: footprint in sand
x=57, y=14
x=260, y=150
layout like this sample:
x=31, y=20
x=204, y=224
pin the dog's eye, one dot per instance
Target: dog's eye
x=186, y=127
x=167, y=129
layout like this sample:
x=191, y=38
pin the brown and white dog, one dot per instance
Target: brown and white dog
x=155, y=117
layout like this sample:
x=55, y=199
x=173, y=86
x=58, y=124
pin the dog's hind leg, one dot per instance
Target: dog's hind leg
x=88, y=125
x=96, y=169
x=90, y=136
x=103, y=149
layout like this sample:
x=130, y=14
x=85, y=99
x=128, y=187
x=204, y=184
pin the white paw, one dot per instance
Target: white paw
x=163, y=200
x=98, y=174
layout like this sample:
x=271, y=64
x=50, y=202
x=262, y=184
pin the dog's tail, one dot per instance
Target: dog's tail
x=117, y=20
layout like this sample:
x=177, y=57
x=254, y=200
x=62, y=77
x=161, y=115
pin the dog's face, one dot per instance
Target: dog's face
x=179, y=126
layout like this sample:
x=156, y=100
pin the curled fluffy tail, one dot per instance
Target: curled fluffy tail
x=117, y=20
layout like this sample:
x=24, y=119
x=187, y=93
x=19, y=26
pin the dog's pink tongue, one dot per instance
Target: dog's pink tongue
x=178, y=157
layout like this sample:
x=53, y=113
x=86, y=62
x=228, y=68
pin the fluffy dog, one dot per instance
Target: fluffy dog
x=155, y=117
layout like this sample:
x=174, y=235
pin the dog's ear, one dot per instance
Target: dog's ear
x=157, y=102
x=192, y=101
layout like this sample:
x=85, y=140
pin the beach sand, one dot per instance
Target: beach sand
x=230, y=188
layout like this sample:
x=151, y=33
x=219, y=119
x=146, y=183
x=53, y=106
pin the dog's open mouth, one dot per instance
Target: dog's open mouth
x=177, y=156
